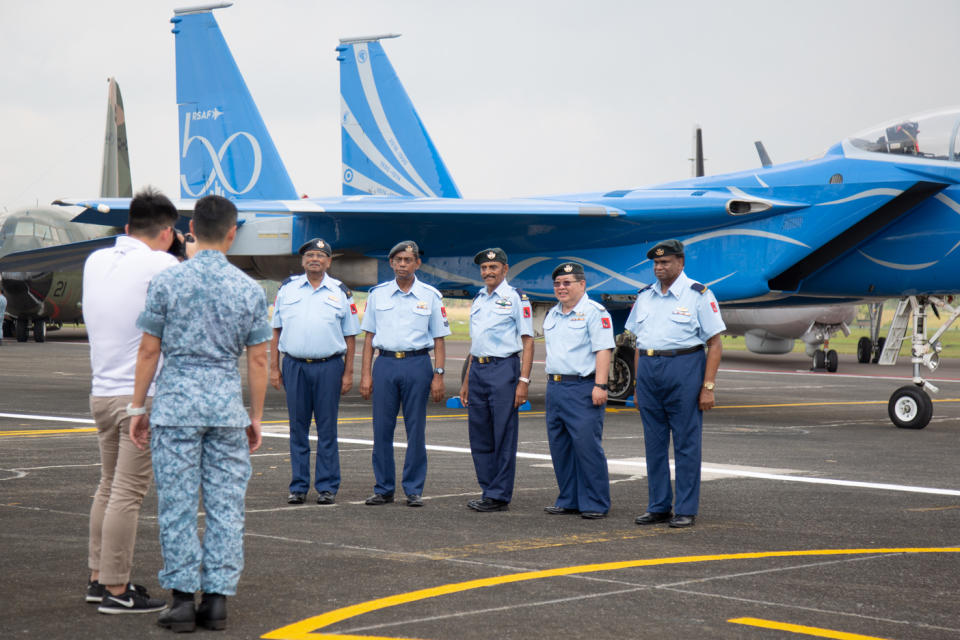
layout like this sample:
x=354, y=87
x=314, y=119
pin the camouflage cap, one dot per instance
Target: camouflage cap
x=494, y=254
x=317, y=244
x=566, y=269
x=406, y=245
x=666, y=248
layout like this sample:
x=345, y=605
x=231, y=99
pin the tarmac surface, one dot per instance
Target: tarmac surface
x=818, y=518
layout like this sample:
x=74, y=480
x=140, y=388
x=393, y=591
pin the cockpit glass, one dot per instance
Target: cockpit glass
x=24, y=228
x=934, y=136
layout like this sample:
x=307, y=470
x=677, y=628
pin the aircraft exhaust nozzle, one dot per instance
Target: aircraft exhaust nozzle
x=743, y=207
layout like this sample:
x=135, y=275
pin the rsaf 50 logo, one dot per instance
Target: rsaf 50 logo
x=216, y=159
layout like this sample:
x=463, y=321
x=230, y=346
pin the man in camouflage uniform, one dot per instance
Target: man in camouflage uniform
x=200, y=315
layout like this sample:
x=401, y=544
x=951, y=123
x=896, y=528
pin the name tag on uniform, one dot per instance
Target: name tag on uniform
x=422, y=306
x=333, y=301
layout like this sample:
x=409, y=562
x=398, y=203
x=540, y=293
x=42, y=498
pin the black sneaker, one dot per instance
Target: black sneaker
x=130, y=601
x=95, y=591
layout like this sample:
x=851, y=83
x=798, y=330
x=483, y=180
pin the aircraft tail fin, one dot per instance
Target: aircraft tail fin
x=115, y=176
x=225, y=148
x=385, y=147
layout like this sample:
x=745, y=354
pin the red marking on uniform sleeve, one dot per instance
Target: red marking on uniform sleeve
x=605, y=323
x=353, y=309
x=526, y=312
x=365, y=306
x=713, y=305
x=443, y=311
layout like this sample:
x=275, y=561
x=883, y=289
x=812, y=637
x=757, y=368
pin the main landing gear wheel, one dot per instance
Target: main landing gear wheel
x=910, y=407
x=22, y=329
x=819, y=359
x=621, y=375
x=864, y=350
x=876, y=354
x=833, y=361
x=39, y=330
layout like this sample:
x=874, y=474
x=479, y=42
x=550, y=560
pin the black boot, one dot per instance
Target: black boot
x=182, y=614
x=212, y=612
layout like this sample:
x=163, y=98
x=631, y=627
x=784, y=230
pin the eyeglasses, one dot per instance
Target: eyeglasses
x=566, y=284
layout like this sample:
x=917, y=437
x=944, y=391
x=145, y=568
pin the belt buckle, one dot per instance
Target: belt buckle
x=483, y=360
x=309, y=360
x=650, y=352
x=399, y=354
x=556, y=377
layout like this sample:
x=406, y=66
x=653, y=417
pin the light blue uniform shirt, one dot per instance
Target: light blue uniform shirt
x=205, y=311
x=313, y=322
x=677, y=319
x=574, y=338
x=3, y=307
x=405, y=321
x=497, y=320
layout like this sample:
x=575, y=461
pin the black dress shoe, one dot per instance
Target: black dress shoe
x=325, y=497
x=489, y=504
x=212, y=612
x=379, y=498
x=593, y=515
x=181, y=617
x=680, y=522
x=556, y=511
x=414, y=500
x=654, y=517
x=296, y=498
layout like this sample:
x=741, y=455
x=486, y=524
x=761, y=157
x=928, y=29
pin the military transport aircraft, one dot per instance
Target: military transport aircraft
x=37, y=293
x=874, y=216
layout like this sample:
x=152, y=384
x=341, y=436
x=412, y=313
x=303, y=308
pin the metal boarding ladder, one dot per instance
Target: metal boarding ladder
x=897, y=331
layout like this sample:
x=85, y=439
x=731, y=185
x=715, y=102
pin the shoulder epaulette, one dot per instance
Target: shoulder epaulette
x=699, y=288
x=432, y=288
x=346, y=290
x=522, y=295
x=639, y=291
x=287, y=279
x=596, y=304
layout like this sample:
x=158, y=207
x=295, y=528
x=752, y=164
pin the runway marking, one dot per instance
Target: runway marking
x=818, y=404
x=305, y=629
x=33, y=433
x=730, y=472
x=798, y=628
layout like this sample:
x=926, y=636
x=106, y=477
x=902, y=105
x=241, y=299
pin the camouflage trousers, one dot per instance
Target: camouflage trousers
x=186, y=460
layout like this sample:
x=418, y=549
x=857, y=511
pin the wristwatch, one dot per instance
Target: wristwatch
x=522, y=379
x=603, y=386
x=135, y=411
x=439, y=371
x=709, y=385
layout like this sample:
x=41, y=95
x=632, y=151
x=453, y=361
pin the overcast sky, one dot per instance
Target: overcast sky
x=521, y=98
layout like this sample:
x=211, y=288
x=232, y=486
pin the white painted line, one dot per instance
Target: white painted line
x=707, y=469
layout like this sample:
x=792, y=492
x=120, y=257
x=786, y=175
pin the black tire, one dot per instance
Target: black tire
x=910, y=407
x=864, y=350
x=39, y=330
x=8, y=328
x=876, y=354
x=622, y=379
x=833, y=361
x=22, y=329
x=819, y=359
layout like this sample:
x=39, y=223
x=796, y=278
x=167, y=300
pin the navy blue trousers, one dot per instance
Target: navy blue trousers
x=313, y=391
x=493, y=425
x=400, y=382
x=575, y=431
x=668, y=395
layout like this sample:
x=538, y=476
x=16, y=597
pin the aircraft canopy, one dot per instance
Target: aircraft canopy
x=934, y=136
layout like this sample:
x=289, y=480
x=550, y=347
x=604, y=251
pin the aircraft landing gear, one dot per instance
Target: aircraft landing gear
x=828, y=360
x=819, y=359
x=864, y=350
x=39, y=330
x=621, y=379
x=8, y=328
x=22, y=329
x=910, y=407
x=872, y=346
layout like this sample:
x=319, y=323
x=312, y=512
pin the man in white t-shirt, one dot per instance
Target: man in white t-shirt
x=115, y=283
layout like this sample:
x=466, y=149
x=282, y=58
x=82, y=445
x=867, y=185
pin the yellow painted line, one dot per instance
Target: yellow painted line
x=799, y=628
x=818, y=404
x=304, y=629
x=47, y=432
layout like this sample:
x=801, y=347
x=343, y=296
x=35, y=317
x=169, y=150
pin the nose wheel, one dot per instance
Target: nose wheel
x=910, y=407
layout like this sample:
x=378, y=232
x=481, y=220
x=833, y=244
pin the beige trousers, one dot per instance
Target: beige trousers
x=125, y=475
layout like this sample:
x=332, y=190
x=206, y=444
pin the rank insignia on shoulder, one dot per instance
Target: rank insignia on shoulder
x=524, y=297
x=699, y=288
x=353, y=308
x=346, y=290
x=605, y=323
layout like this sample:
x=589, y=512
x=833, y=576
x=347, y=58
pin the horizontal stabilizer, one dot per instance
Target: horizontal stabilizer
x=59, y=258
x=762, y=152
x=790, y=279
x=386, y=149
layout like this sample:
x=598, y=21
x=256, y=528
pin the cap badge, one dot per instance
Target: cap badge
x=659, y=251
x=319, y=244
x=491, y=255
x=567, y=268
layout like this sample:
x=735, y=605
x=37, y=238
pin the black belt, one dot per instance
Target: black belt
x=312, y=360
x=404, y=354
x=670, y=352
x=557, y=377
x=487, y=359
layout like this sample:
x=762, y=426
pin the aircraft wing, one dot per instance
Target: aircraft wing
x=62, y=257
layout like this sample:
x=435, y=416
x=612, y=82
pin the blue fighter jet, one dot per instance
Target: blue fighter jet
x=875, y=216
